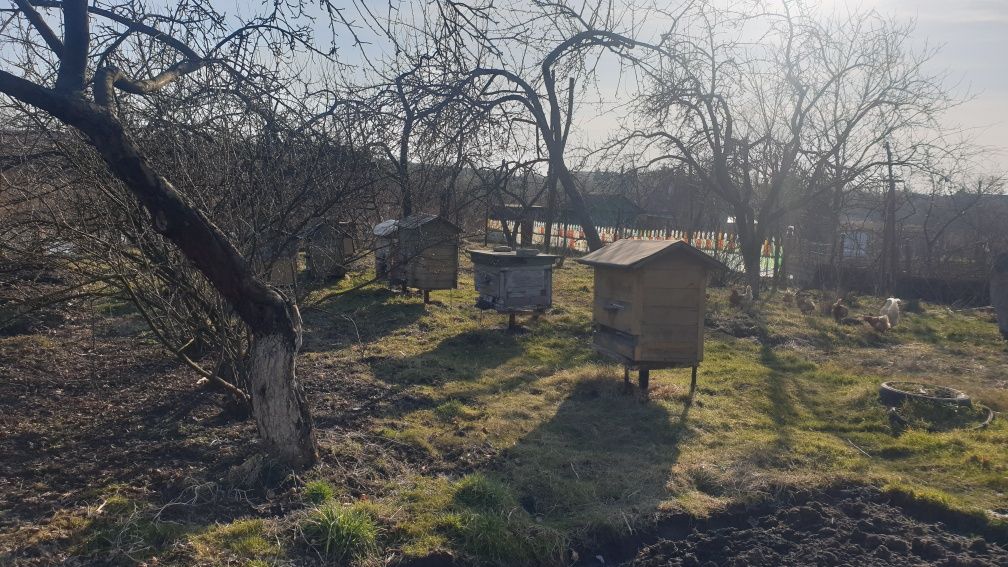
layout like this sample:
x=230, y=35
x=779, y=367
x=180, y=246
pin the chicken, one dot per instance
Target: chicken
x=880, y=323
x=805, y=304
x=735, y=298
x=839, y=310
x=891, y=309
x=743, y=299
x=789, y=298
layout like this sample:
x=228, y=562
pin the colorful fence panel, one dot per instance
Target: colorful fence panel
x=721, y=245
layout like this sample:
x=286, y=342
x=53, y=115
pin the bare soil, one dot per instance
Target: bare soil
x=855, y=526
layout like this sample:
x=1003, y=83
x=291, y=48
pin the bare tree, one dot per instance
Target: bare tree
x=108, y=56
x=774, y=122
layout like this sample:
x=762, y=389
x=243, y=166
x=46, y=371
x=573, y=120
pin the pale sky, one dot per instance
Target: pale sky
x=972, y=37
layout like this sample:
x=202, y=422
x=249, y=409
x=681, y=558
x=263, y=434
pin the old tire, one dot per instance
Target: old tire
x=894, y=393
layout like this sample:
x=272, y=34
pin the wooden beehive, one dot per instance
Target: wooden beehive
x=649, y=302
x=428, y=251
x=329, y=247
x=279, y=264
x=386, y=251
x=511, y=282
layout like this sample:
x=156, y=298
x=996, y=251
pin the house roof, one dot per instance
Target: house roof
x=419, y=219
x=634, y=253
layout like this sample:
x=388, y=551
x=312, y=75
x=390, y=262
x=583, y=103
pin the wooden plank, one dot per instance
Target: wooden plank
x=671, y=297
x=614, y=302
x=657, y=317
x=618, y=344
x=685, y=334
x=672, y=280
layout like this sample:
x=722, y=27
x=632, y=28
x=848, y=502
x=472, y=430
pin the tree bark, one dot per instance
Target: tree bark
x=750, y=246
x=578, y=205
x=278, y=402
x=999, y=292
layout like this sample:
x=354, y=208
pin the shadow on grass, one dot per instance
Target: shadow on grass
x=780, y=383
x=359, y=315
x=603, y=457
x=460, y=357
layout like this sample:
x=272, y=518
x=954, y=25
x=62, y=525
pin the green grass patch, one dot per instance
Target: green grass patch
x=318, y=492
x=341, y=533
x=245, y=539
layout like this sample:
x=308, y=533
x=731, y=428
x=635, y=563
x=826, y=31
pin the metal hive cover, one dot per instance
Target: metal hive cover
x=385, y=228
x=420, y=219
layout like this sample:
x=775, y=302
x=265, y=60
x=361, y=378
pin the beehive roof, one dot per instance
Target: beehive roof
x=634, y=253
x=420, y=219
x=385, y=228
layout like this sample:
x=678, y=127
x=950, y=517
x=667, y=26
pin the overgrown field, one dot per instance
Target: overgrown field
x=443, y=436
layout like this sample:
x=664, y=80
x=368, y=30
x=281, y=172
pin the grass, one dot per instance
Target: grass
x=505, y=449
x=341, y=533
x=318, y=492
x=794, y=405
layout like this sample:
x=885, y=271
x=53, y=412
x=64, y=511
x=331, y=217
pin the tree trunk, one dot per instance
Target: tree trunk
x=578, y=205
x=750, y=246
x=999, y=292
x=278, y=404
x=551, y=186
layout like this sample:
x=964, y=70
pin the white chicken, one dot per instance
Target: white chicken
x=891, y=309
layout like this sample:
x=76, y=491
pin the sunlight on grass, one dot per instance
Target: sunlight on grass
x=791, y=402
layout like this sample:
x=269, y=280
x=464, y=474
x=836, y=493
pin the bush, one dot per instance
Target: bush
x=342, y=533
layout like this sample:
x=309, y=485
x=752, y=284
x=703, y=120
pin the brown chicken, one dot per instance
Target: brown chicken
x=880, y=323
x=743, y=299
x=805, y=304
x=735, y=298
x=839, y=310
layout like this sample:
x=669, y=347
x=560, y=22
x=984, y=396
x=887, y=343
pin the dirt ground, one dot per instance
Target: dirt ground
x=850, y=526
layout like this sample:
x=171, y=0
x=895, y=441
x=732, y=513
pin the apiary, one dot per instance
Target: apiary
x=328, y=249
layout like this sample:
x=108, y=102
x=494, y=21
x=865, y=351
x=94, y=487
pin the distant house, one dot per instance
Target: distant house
x=944, y=245
x=945, y=233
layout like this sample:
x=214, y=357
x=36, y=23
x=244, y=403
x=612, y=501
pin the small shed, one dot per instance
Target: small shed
x=650, y=298
x=386, y=251
x=428, y=249
x=329, y=246
x=511, y=281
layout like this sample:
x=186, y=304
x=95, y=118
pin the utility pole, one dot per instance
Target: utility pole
x=889, y=246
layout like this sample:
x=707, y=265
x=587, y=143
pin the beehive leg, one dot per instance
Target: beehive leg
x=692, y=384
x=512, y=327
x=626, y=378
x=426, y=296
x=643, y=375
